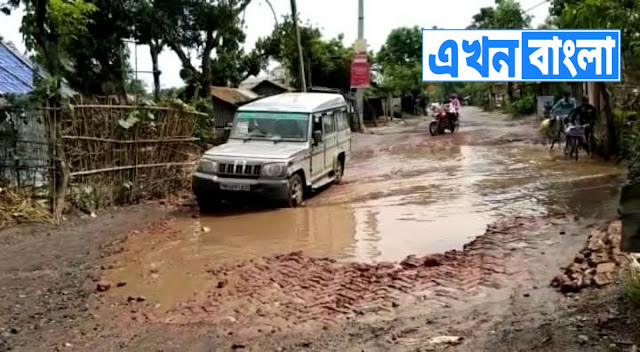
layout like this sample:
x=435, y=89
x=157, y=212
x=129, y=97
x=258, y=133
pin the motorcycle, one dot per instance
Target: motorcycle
x=444, y=119
x=434, y=109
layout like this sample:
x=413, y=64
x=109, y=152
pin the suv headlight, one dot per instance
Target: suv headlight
x=208, y=167
x=274, y=170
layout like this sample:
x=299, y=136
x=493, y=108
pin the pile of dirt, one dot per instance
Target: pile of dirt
x=284, y=291
x=597, y=264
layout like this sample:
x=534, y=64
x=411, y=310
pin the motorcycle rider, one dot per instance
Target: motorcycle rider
x=585, y=114
x=455, y=104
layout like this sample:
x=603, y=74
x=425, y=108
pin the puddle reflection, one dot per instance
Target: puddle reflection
x=401, y=203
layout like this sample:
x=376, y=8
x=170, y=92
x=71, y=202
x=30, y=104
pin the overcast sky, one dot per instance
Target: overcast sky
x=333, y=16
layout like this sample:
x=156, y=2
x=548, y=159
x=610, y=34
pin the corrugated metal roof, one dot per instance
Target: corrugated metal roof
x=277, y=84
x=16, y=72
x=233, y=95
x=297, y=102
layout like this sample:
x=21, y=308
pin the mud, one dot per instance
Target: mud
x=288, y=291
x=456, y=235
x=48, y=275
x=397, y=199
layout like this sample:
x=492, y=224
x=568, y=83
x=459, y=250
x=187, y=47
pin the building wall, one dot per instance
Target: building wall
x=223, y=112
x=24, y=153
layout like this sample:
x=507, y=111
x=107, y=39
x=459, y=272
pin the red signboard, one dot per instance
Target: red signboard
x=360, y=73
x=361, y=56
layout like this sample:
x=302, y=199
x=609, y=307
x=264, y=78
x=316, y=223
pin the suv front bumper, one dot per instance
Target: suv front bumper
x=206, y=186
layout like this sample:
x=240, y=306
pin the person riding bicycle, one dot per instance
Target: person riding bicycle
x=585, y=114
x=564, y=106
x=560, y=110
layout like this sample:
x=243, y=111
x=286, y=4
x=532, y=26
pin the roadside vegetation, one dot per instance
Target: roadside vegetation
x=82, y=45
x=631, y=287
x=524, y=106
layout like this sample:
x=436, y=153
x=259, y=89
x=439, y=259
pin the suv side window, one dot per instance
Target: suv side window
x=329, y=123
x=317, y=125
x=342, y=121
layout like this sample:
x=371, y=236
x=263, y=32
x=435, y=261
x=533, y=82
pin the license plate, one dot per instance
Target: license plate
x=235, y=187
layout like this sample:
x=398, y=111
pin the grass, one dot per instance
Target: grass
x=631, y=287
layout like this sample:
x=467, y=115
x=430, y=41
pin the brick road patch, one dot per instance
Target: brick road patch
x=285, y=291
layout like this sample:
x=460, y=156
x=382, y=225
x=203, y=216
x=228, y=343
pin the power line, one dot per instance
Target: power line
x=537, y=5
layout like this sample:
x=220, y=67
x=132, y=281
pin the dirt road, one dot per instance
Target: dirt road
x=456, y=235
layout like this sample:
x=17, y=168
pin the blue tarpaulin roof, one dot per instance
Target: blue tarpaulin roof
x=16, y=72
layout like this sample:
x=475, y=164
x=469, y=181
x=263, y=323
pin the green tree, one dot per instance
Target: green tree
x=136, y=86
x=326, y=62
x=232, y=65
x=613, y=14
x=403, y=46
x=608, y=14
x=80, y=41
x=479, y=93
x=212, y=29
x=549, y=23
x=49, y=28
x=152, y=19
x=207, y=27
x=100, y=56
x=400, y=59
x=506, y=15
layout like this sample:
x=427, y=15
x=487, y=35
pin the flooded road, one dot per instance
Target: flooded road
x=397, y=201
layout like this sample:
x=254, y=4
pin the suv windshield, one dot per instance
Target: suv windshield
x=271, y=126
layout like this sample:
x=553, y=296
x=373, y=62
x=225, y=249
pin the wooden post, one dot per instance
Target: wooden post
x=296, y=29
x=135, y=162
x=389, y=108
x=60, y=167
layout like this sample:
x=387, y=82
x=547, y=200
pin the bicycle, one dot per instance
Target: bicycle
x=557, y=129
x=576, y=138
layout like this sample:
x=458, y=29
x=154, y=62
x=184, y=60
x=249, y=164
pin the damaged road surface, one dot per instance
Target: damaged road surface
x=431, y=243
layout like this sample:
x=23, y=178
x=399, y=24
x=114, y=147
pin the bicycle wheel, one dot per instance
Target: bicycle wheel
x=573, y=147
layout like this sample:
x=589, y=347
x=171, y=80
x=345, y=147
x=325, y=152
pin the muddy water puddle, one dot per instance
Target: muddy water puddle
x=401, y=202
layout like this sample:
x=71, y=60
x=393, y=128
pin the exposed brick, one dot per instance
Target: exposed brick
x=292, y=289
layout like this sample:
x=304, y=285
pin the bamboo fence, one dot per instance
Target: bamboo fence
x=118, y=154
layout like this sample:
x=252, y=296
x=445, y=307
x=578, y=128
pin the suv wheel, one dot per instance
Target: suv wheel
x=295, y=192
x=338, y=172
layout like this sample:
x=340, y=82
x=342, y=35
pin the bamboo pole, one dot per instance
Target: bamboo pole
x=118, y=141
x=130, y=167
x=134, y=107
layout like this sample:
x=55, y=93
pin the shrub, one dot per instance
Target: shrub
x=629, y=140
x=524, y=106
x=631, y=287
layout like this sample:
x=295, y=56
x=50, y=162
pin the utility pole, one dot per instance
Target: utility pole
x=294, y=15
x=360, y=91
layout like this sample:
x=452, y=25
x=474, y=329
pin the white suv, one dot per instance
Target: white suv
x=279, y=148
